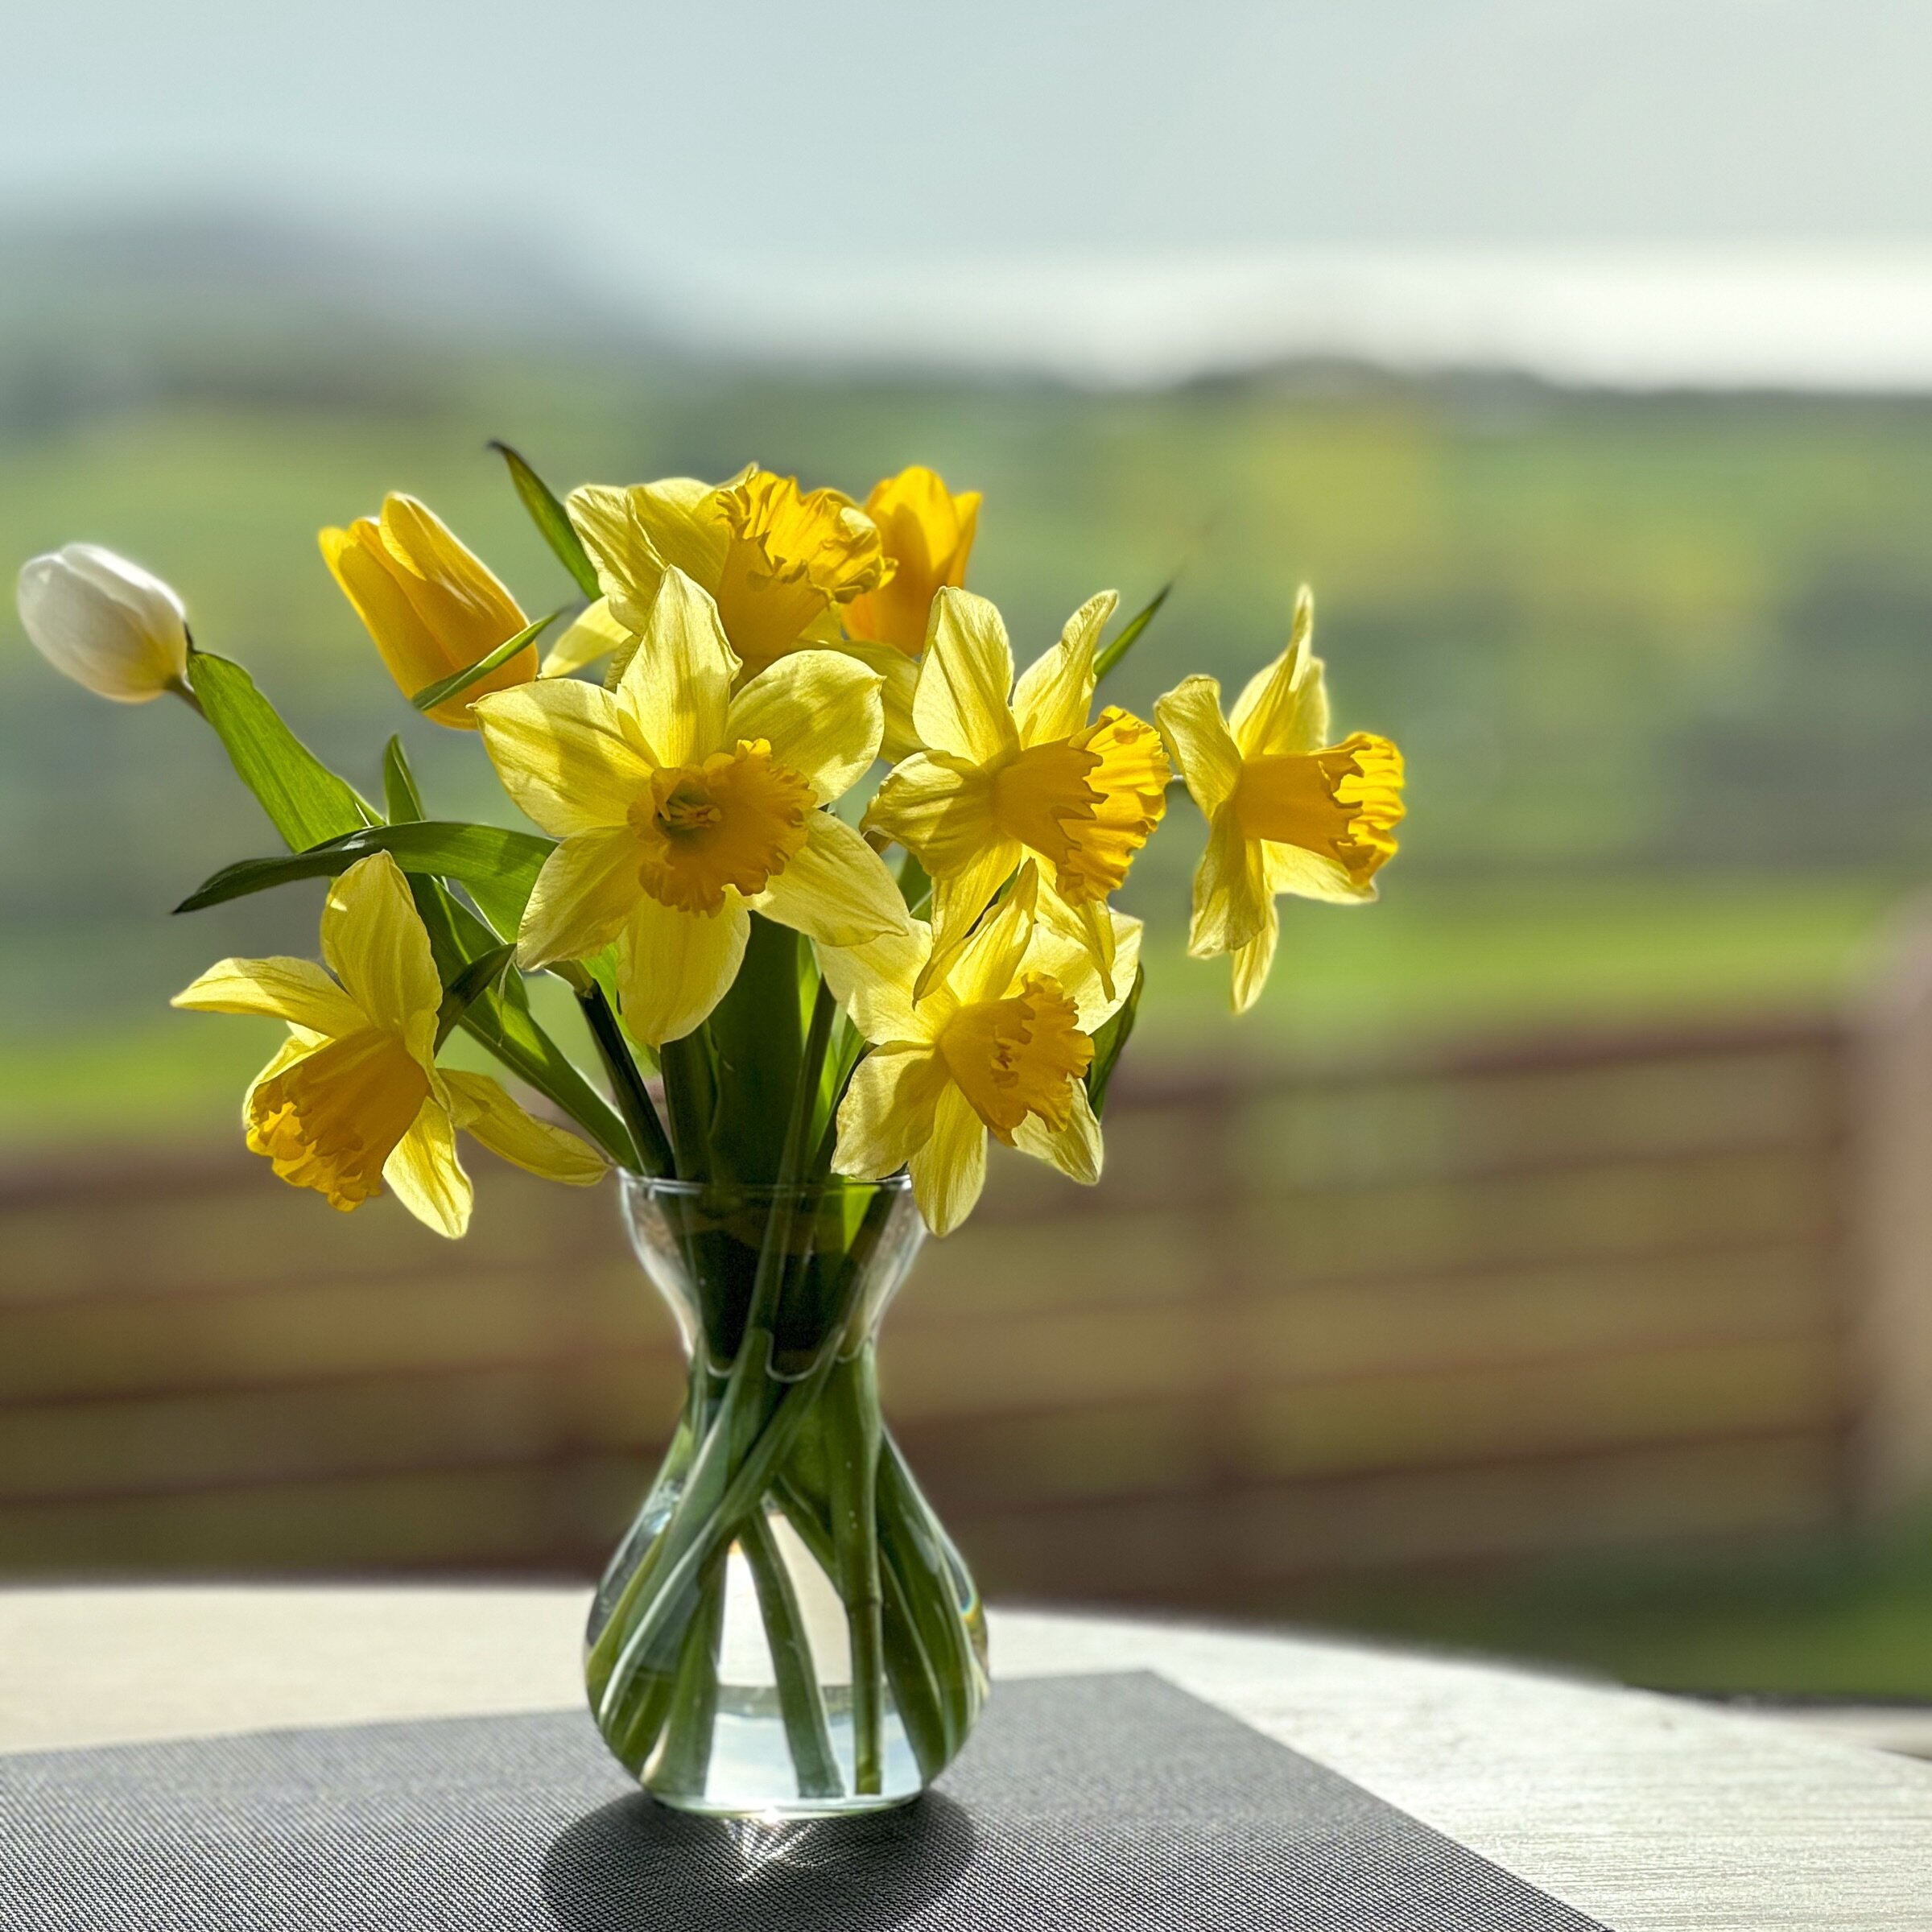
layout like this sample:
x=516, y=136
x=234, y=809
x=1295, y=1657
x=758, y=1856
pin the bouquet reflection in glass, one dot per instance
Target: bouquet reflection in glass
x=803, y=1043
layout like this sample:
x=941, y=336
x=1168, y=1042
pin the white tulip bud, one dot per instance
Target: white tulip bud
x=104, y=622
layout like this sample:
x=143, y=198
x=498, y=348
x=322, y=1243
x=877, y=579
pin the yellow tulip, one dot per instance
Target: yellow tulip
x=355, y=1097
x=432, y=606
x=1286, y=812
x=1012, y=768
x=683, y=807
x=927, y=533
x=998, y=1042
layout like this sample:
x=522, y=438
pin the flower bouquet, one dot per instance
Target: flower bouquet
x=809, y=1010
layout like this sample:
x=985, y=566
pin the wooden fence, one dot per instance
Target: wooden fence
x=1508, y=1300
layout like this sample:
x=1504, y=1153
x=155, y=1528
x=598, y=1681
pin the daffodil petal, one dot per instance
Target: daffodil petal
x=480, y=1107
x=676, y=689
x=1203, y=747
x=950, y=1170
x=1284, y=707
x=834, y=888
x=673, y=968
x=940, y=808
x=887, y=1113
x=1251, y=962
x=1231, y=895
x=960, y=704
x=373, y=940
x=583, y=898
x=874, y=982
x=296, y=1047
x=561, y=751
x=594, y=633
x=987, y=962
x=635, y=534
x=1073, y=1148
x=1062, y=946
x=298, y=991
x=426, y=1175
x=1312, y=875
x=1055, y=692
x=958, y=902
x=821, y=713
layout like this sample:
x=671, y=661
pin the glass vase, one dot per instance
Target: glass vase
x=786, y=1630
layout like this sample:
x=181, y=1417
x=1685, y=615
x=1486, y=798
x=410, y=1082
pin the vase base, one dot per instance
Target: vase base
x=785, y=1811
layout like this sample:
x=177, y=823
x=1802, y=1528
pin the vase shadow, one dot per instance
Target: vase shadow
x=619, y=1869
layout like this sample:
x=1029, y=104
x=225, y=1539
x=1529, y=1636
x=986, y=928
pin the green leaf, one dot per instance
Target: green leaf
x=400, y=796
x=552, y=520
x=430, y=696
x=305, y=801
x=468, y=986
x=499, y=1018
x=497, y=867
x=1112, y=652
x=1109, y=1041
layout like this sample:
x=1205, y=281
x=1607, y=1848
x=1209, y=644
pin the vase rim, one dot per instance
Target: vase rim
x=763, y=1191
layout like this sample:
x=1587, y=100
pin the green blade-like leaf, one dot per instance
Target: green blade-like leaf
x=497, y=868
x=1109, y=1041
x=400, y=796
x=500, y=1020
x=468, y=986
x=430, y=696
x=552, y=520
x=305, y=801
x=1112, y=654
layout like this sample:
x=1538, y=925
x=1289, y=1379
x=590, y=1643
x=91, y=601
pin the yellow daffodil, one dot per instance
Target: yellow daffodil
x=779, y=562
x=355, y=1097
x=927, y=533
x=1286, y=811
x=999, y=1042
x=1009, y=770
x=682, y=807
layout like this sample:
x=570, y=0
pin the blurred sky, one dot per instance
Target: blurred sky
x=700, y=155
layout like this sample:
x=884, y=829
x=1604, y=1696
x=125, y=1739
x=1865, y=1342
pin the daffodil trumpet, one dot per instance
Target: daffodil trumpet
x=802, y=1055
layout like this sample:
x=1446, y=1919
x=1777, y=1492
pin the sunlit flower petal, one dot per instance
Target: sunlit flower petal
x=1055, y=692
x=835, y=888
x=949, y=1170
x=874, y=984
x=673, y=966
x=676, y=689
x=819, y=711
x=1204, y=750
x=960, y=705
x=105, y=622
x=1284, y=708
x=927, y=533
x=427, y=1176
x=1074, y=1147
x=1230, y=891
x=887, y=1113
x=298, y=991
x=374, y=941
x=583, y=899
x=562, y=751
x=1251, y=962
x=480, y=1106
x=594, y=633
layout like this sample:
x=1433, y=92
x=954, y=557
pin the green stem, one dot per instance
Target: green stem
x=693, y=1717
x=687, y=1098
x=803, y=1710
x=627, y=1084
x=851, y=1418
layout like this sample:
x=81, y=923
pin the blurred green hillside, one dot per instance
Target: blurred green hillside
x=1662, y=666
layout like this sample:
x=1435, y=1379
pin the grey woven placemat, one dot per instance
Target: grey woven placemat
x=1091, y=1804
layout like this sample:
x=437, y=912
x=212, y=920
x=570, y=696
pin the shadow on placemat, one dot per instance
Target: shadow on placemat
x=626, y=1863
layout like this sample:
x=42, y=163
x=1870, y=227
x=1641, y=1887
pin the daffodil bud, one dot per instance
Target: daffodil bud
x=104, y=622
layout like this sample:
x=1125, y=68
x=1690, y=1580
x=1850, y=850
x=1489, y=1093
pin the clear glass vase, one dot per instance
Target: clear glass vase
x=786, y=1630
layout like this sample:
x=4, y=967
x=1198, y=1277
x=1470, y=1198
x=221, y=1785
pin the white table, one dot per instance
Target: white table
x=1644, y=1812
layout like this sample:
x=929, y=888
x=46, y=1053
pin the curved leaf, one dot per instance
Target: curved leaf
x=552, y=520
